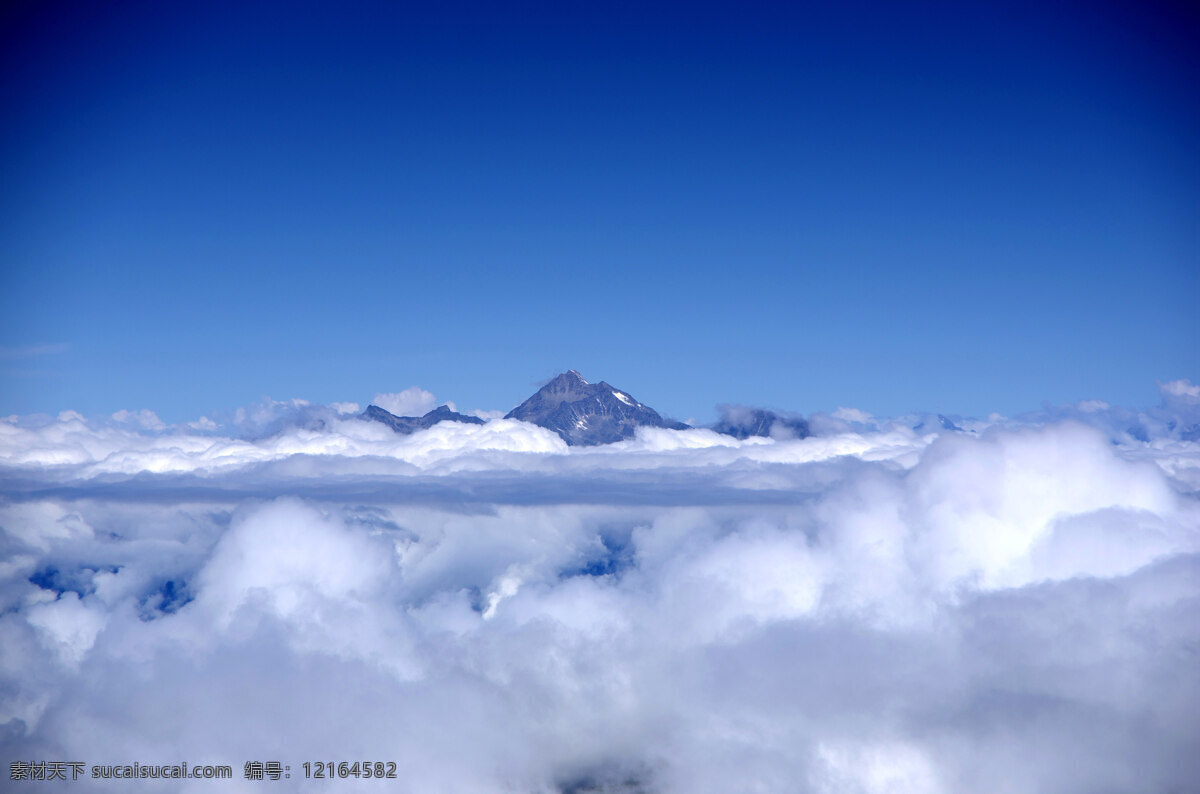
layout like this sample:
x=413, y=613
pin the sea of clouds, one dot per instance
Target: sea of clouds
x=887, y=606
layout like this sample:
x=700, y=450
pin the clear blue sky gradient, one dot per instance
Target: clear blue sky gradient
x=963, y=207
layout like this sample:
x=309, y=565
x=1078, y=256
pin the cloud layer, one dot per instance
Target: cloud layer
x=1005, y=608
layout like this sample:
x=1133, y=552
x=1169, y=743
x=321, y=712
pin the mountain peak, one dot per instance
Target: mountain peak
x=570, y=377
x=585, y=413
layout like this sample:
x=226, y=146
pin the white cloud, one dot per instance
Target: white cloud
x=413, y=401
x=203, y=424
x=872, y=610
x=67, y=625
x=1181, y=388
x=145, y=419
x=853, y=415
x=854, y=768
x=986, y=504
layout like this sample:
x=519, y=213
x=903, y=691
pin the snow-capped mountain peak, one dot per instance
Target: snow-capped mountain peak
x=584, y=413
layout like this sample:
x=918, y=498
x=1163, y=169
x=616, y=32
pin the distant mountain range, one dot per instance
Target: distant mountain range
x=588, y=414
x=411, y=424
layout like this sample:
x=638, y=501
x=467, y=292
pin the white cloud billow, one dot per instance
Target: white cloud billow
x=1010, y=608
x=144, y=419
x=413, y=401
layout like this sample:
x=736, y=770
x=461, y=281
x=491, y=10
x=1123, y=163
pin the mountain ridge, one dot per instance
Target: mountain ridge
x=582, y=413
x=406, y=425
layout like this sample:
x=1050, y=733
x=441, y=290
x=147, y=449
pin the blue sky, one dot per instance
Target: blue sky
x=930, y=207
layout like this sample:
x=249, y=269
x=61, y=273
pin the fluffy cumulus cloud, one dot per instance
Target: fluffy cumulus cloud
x=886, y=606
x=413, y=401
x=144, y=419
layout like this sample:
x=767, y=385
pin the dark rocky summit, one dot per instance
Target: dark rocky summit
x=940, y=421
x=411, y=424
x=741, y=423
x=585, y=414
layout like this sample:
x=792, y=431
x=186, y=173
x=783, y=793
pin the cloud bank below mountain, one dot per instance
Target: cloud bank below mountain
x=1005, y=608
